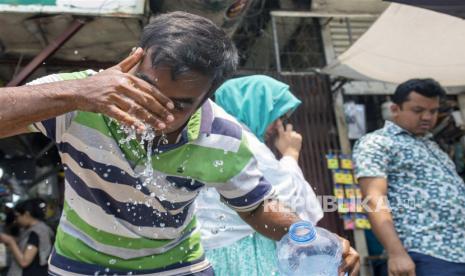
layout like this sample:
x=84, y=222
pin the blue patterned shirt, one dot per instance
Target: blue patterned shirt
x=425, y=193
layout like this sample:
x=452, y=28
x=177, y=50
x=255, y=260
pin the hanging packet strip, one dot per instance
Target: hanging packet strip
x=338, y=191
x=358, y=192
x=362, y=222
x=352, y=205
x=349, y=178
x=342, y=206
x=332, y=161
x=343, y=177
x=350, y=192
x=349, y=223
x=346, y=162
x=359, y=207
x=338, y=177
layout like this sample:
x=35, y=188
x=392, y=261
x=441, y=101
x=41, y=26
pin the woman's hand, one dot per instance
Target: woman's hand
x=350, y=259
x=7, y=239
x=288, y=142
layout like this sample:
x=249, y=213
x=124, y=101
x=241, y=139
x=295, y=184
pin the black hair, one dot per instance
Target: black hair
x=425, y=87
x=187, y=42
x=35, y=206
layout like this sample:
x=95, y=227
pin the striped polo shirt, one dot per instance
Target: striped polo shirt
x=113, y=223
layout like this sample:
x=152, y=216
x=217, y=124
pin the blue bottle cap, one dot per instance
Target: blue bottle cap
x=302, y=232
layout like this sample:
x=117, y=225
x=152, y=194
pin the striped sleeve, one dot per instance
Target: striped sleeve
x=248, y=189
x=54, y=128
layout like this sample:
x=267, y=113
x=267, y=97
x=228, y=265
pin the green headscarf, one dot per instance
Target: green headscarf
x=256, y=101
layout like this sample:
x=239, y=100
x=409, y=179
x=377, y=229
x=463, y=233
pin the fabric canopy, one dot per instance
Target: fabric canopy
x=452, y=7
x=407, y=42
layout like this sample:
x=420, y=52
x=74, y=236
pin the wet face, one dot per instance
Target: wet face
x=418, y=114
x=186, y=92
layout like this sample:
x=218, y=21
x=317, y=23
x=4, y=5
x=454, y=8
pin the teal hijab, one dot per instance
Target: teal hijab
x=256, y=101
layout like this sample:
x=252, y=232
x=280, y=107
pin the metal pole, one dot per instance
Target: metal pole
x=47, y=52
x=276, y=44
x=349, y=31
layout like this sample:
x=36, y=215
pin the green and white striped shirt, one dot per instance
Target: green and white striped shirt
x=112, y=223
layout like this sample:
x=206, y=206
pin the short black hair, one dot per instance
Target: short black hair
x=188, y=42
x=35, y=206
x=425, y=87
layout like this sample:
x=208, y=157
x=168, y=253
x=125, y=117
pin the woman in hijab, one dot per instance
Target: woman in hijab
x=260, y=103
x=34, y=245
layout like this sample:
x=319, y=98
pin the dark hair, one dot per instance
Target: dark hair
x=35, y=206
x=425, y=87
x=188, y=42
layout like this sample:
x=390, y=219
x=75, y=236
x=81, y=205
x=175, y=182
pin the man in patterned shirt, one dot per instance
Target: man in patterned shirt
x=114, y=222
x=423, y=227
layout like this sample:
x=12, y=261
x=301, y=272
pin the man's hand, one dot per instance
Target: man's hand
x=288, y=142
x=115, y=92
x=350, y=259
x=401, y=264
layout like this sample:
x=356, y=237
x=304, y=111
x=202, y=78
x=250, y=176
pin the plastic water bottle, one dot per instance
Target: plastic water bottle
x=309, y=250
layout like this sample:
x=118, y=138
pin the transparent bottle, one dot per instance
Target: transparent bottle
x=309, y=250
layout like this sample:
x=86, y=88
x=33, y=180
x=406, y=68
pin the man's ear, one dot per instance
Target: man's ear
x=395, y=109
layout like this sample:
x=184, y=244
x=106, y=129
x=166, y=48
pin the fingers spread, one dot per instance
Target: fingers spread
x=132, y=108
x=147, y=101
x=121, y=116
x=126, y=64
x=152, y=91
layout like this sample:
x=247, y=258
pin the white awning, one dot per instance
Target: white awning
x=407, y=42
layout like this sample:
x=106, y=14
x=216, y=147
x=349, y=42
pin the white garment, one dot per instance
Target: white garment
x=221, y=226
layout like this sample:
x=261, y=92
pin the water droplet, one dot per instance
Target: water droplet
x=105, y=175
x=112, y=262
x=76, y=52
x=217, y=163
x=138, y=187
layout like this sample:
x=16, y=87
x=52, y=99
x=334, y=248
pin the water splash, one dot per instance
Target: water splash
x=146, y=139
x=218, y=164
